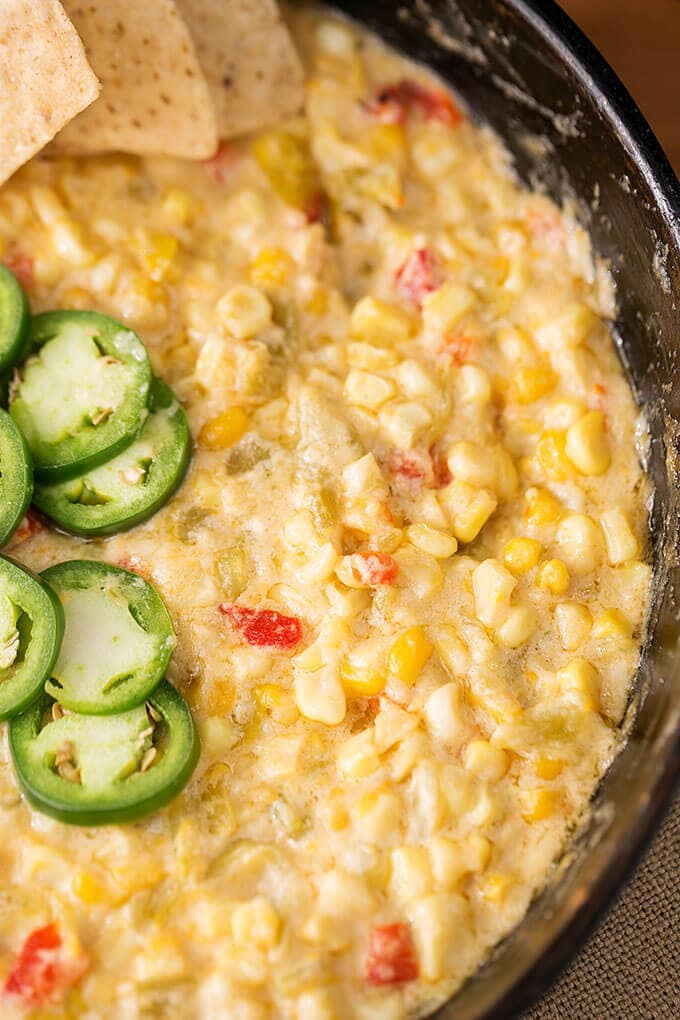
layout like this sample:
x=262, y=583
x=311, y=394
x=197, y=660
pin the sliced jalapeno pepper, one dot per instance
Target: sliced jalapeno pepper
x=118, y=638
x=31, y=630
x=14, y=315
x=16, y=477
x=95, y=770
x=131, y=487
x=83, y=393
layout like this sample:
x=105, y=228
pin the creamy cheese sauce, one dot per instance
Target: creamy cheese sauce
x=421, y=367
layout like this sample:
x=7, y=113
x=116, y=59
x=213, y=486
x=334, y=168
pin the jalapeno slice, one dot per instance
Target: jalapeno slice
x=131, y=487
x=31, y=631
x=14, y=316
x=118, y=638
x=95, y=770
x=83, y=393
x=16, y=477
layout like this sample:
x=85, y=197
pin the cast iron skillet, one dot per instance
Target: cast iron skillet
x=525, y=69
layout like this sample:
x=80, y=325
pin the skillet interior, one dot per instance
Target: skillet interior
x=572, y=129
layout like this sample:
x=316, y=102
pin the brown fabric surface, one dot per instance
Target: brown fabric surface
x=630, y=968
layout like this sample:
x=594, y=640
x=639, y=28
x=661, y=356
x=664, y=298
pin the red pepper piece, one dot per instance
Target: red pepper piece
x=40, y=974
x=263, y=628
x=459, y=347
x=22, y=266
x=417, y=276
x=391, y=958
x=373, y=568
x=393, y=102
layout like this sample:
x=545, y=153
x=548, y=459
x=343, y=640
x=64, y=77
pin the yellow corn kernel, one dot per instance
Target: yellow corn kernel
x=256, y=923
x=521, y=554
x=338, y=817
x=432, y=541
x=271, y=267
x=548, y=768
x=156, y=253
x=388, y=142
x=538, y=804
x=408, y=655
x=444, y=308
x=279, y=704
x=76, y=297
x=244, y=311
x=573, y=624
x=580, y=680
x=568, y=329
x=180, y=206
x=586, y=444
x=553, y=576
x=411, y=875
x=286, y=161
x=541, y=507
x=610, y=624
x=619, y=539
x=552, y=457
x=223, y=431
x=404, y=422
x=357, y=756
x=370, y=358
x=365, y=681
x=494, y=886
x=87, y=889
x=452, y=650
x=486, y=761
x=529, y=384
x=376, y=321
x=468, y=509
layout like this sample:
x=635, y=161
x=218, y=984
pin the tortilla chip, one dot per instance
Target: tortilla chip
x=45, y=78
x=155, y=99
x=250, y=62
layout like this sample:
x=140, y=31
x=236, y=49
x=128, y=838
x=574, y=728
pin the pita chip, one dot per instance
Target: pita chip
x=155, y=98
x=45, y=79
x=248, y=57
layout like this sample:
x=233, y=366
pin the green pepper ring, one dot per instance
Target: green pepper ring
x=16, y=477
x=14, y=318
x=148, y=610
x=132, y=797
x=32, y=594
x=91, y=444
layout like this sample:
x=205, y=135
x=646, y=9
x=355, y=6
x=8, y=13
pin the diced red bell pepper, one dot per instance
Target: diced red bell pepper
x=22, y=266
x=458, y=347
x=30, y=525
x=393, y=102
x=374, y=568
x=440, y=468
x=391, y=958
x=41, y=974
x=263, y=628
x=417, y=276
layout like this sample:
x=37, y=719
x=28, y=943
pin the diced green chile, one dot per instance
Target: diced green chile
x=117, y=642
x=96, y=770
x=14, y=317
x=16, y=477
x=130, y=487
x=31, y=632
x=83, y=394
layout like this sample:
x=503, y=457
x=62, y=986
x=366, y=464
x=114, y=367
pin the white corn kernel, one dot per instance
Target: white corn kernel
x=367, y=390
x=467, y=508
x=244, y=311
x=473, y=385
x=443, y=714
x=573, y=624
x=404, y=423
x=369, y=358
x=415, y=381
x=363, y=476
x=357, y=757
x=411, y=874
x=441, y=928
x=430, y=540
x=492, y=586
x=580, y=542
x=518, y=626
x=486, y=761
x=375, y=321
x=444, y=308
x=619, y=539
x=580, y=681
x=452, y=650
x=257, y=923
x=320, y=696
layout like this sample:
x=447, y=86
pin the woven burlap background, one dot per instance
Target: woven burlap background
x=630, y=968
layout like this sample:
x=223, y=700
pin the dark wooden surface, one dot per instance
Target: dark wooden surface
x=641, y=40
